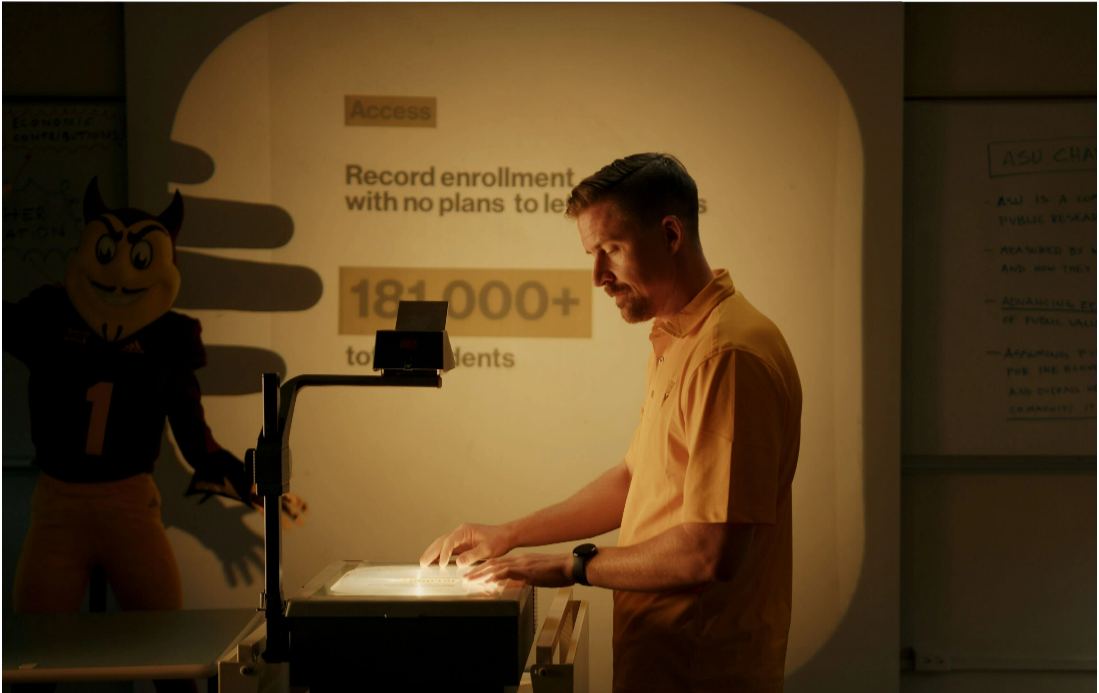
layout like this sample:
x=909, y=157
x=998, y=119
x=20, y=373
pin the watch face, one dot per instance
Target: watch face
x=584, y=550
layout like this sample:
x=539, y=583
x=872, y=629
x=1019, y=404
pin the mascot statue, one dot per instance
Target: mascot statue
x=109, y=361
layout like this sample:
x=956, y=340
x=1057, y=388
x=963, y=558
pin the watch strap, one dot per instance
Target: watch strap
x=579, y=570
x=580, y=557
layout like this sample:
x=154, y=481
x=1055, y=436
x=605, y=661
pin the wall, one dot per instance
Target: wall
x=64, y=51
x=860, y=655
x=998, y=555
x=868, y=630
x=961, y=50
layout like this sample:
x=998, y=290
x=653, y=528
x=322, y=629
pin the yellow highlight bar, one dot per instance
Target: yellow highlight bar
x=483, y=302
x=389, y=111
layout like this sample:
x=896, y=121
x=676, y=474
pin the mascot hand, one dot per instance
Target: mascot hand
x=294, y=509
x=221, y=474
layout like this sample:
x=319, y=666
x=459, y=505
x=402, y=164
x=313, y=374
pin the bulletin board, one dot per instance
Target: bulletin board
x=51, y=152
x=1000, y=278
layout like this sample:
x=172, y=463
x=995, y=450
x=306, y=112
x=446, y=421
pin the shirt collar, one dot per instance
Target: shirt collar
x=691, y=316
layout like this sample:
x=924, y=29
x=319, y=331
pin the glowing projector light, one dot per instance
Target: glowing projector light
x=408, y=581
x=391, y=619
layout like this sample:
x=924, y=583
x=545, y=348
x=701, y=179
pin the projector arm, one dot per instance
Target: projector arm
x=272, y=463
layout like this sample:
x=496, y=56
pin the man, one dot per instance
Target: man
x=702, y=571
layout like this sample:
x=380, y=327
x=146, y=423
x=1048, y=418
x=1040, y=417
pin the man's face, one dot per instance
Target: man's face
x=632, y=264
x=121, y=279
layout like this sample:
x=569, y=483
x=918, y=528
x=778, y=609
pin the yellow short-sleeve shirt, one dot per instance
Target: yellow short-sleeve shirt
x=718, y=442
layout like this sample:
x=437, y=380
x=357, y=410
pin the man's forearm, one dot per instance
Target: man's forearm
x=681, y=557
x=591, y=511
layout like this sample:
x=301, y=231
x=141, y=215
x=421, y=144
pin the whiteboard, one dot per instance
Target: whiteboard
x=999, y=284
x=51, y=152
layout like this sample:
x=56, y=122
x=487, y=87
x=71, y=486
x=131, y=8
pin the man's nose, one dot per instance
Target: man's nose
x=599, y=273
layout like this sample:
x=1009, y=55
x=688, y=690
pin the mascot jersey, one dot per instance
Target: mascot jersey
x=97, y=407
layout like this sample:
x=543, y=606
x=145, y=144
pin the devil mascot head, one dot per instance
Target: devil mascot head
x=123, y=275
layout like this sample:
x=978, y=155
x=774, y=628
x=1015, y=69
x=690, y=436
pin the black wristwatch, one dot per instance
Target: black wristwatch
x=580, y=557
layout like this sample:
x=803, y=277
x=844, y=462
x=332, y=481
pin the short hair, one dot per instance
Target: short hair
x=645, y=188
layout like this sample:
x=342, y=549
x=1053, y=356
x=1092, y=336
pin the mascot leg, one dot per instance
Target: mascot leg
x=134, y=549
x=115, y=524
x=138, y=558
x=57, y=558
x=58, y=553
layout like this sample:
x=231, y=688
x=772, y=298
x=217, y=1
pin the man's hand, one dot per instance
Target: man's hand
x=471, y=543
x=535, y=569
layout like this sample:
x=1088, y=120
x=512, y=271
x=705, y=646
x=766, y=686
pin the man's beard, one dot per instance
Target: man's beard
x=634, y=308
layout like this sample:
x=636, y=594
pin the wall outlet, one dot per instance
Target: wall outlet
x=930, y=659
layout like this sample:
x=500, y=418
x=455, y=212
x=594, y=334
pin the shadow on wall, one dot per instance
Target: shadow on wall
x=214, y=283
x=219, y=528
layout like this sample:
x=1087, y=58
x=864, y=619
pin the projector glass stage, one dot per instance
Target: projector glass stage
x=392, y=618
x=364, y=589
x=409, y=581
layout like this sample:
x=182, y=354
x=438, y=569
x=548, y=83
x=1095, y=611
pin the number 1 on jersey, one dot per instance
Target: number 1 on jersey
x=100, y=397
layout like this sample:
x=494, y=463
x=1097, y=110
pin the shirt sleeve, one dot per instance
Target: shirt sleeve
x=188, y=419
x=185, y=412
x=734, y=414
x=213, y=465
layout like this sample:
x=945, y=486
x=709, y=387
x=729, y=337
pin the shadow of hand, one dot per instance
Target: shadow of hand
x=218, y=527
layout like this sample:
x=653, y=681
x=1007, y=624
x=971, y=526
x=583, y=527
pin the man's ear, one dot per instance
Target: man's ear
x=674, y=233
